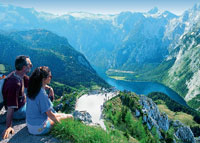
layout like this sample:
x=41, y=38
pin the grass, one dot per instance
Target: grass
x=77, y=132
x=147, y=72
x=95, y=87
x=59, y=84
x=183, y=117
x=2, y=68
x=118, y=77
x=119, y=71
x=119, y=113
x=116, y=132
x=195, y=102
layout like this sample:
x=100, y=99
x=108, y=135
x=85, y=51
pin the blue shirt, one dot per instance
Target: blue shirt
x=36, y=108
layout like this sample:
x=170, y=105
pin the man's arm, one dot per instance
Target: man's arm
x=9, y=129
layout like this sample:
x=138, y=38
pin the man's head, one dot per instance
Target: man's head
x=23, y=63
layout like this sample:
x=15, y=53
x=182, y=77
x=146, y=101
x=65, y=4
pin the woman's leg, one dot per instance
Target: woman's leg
x=47, y=127
x=51, y=122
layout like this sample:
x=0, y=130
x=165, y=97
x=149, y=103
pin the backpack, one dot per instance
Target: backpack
x=2, y=79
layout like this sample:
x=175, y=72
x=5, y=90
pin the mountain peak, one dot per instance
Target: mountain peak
x=196, y=7
x=153, y=10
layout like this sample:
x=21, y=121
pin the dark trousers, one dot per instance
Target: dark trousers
x=1, y=106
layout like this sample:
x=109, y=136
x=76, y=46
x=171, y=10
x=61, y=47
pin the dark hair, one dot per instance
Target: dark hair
x=35, y=81
x=20, y=62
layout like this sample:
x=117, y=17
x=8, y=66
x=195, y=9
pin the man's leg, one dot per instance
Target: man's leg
x=1, y=106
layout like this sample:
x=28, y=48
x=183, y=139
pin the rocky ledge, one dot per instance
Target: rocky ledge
x=153, y=117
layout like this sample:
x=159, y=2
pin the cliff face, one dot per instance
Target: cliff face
x=133, y=111
x=153, y=117
x=184, y=74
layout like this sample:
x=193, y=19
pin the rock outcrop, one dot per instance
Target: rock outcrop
x=153, y=117
x=83, y=116
x=183, y=132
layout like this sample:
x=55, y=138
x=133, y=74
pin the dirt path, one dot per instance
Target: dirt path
x=93, y=104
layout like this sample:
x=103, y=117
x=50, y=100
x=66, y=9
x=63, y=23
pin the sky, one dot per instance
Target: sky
x=103, y=6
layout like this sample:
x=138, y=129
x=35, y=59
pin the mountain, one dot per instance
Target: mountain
x=101, y=38
x=178, y=65
x=143, y=43
x=183, y=76
x=131, y=118
x=180, y=69
x=181, y=25
x=153, y=11
x=150, y=45
x=46, y=48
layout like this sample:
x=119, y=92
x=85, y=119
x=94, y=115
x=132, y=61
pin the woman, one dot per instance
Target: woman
x=39, y=111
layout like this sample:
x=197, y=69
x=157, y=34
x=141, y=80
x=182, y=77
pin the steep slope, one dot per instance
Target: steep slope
x=139, y=117
x=68, y=66
x=143, y=43
x=181, y=25
x=183, y=76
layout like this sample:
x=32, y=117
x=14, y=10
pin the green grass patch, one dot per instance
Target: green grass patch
x=176, y=111
x=174, y=106
x=195, y=102
x=119, y=112
x=118, y=77
x=183, y=117
x=2, y=69
x=146, y=72
x=77, y=132
x=59, y=84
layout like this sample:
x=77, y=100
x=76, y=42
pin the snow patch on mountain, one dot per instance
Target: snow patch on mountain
x=180, y=26
x=85, y=15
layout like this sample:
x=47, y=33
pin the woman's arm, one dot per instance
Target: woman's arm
x=52, y=116
x=56, y=117
x=51, y=92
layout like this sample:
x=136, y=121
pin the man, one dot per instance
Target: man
x=13, y=92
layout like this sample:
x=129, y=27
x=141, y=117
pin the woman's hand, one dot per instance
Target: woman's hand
x=52, y=116
x=51, y=92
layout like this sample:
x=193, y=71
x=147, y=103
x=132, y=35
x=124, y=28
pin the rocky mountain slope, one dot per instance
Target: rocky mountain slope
x=140, y=117
x=101, y=38
x=131, y=118
x=46, y=48
x=151, y=45
x=184, y=74
x=181, y=25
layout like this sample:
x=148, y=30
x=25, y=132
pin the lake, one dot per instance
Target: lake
x=143, y=88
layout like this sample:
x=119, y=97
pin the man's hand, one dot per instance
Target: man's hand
x=7, y=131
x=9, y=128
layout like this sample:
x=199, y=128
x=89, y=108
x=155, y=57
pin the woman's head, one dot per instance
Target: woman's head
x=40, y=77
